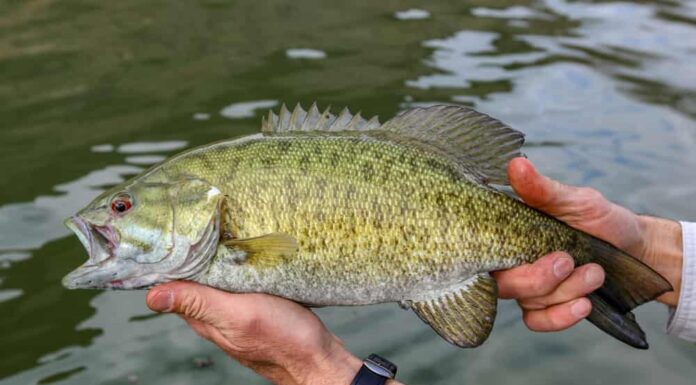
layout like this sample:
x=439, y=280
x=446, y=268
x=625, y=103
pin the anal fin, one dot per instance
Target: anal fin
x=463, y=317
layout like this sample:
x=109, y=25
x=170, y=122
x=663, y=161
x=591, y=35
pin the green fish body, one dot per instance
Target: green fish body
x=337, y=210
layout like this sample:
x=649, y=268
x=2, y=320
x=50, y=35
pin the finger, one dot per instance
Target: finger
x=535, y=189
x=534, y=280
x=576, y=206
x=558, y=317
x=584, y=280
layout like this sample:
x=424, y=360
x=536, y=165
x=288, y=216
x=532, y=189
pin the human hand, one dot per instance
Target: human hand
x=279, y=339
x=551, y=292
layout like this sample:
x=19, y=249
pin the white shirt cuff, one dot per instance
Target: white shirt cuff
x=682, y=321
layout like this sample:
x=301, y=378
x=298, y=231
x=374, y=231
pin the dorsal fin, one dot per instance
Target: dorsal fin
x=287, y=122
x=478, y=142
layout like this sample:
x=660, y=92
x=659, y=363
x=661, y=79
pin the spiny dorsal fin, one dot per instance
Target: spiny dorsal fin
x=287, y=122
x=463, y=317
x=478, y=142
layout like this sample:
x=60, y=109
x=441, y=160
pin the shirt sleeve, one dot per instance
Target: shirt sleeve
x=682, y=320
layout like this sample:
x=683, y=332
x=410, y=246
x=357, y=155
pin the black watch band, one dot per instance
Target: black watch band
x=374, y=371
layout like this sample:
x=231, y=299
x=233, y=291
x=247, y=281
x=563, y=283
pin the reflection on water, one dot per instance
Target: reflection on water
x=246, y=109
x=305, y=53
x=201, y=116
x=412, y=14
x=606, y=92
x=6, y=295
x=512, y=14
x=145, y=147
x=145, y=159
x=102, y=148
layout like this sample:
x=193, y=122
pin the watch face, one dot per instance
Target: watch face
x=380, y=366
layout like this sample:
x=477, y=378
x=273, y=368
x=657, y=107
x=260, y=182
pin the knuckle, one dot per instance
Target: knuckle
x=589, y=194
x=532, y=304
x=586, y=204
x=538, y=286
x=194, y=306
x=531, y=321
x=556, y=323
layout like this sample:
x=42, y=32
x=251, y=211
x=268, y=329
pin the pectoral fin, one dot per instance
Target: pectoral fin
x=266, y=250
x=463, y=317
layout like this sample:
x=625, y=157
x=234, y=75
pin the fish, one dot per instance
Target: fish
x=339, y=210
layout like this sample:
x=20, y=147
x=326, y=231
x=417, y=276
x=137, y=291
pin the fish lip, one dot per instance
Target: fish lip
x=73, y=280
x=102, y=277
x=81, y=229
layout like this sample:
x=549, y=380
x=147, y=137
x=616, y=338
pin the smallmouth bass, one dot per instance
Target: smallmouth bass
x=339, y=210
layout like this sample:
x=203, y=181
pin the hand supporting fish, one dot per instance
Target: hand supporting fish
x=337, y=210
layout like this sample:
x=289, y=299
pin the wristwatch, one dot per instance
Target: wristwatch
x=375, y=370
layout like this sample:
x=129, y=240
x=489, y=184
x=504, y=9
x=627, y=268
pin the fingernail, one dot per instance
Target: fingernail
x=162, y=301
x=594, y=276
x=562, y=267
x=580, y=308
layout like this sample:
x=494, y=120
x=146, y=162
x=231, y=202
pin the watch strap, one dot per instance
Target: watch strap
x=381, y=366
x=375, y=370
x=366, y=376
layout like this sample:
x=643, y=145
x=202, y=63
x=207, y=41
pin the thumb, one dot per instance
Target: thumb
x=190, y=299
x=580, y=207
x=540, y=191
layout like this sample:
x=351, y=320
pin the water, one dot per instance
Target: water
x=90, y=93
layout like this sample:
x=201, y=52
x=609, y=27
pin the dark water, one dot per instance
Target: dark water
x=92, y=92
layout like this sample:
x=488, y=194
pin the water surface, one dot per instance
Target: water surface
x=93, y=92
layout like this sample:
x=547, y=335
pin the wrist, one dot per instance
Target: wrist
x=663, y=251
x=337, y=366
x=333, y=365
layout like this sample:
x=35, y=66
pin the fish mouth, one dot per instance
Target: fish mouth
x=103, y=270
x=99, y=271
x=98, y=241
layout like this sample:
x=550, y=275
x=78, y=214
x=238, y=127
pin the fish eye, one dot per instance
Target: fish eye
x=121, y=203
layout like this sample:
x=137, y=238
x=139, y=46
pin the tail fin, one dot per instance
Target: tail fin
x=629, y=283
x=622, y=326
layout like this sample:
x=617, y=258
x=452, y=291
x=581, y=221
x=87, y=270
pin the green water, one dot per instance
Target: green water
x=91, y=92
